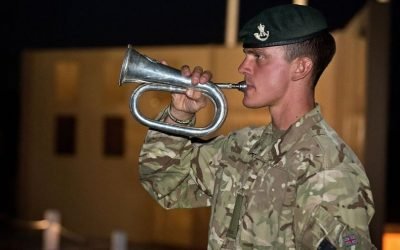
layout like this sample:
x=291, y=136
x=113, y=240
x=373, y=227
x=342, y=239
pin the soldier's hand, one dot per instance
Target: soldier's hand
x=184, y=106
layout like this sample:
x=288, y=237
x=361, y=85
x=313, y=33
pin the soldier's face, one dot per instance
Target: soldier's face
x=267, y=75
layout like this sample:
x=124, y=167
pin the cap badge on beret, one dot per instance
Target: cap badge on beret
x=261, y=35
x=282, y=25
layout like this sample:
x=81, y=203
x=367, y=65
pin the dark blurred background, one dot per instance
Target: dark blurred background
x=79, y=24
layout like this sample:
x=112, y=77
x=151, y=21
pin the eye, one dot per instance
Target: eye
x=255, y=54
x=259, y=56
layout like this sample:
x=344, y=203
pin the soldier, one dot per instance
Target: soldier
x=291, y=184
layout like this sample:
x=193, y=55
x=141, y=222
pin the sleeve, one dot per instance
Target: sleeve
x=177, y=172
x=334, y=209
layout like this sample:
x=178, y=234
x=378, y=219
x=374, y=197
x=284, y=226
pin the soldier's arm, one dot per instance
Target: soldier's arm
x=176, y=171
x=334, y=209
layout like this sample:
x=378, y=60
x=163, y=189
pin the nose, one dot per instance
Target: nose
x=244, y=67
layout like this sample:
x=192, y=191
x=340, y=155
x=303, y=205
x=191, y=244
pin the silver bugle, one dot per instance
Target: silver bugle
x=152, y=75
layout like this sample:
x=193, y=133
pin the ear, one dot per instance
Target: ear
x=301, y=68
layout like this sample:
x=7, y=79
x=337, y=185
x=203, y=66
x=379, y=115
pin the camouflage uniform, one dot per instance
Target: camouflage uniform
x=300, y=190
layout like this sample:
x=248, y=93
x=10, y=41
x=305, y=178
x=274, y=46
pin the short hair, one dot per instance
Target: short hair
x=320, y=49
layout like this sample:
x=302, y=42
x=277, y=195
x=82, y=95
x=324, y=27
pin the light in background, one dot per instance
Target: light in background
x=391, y=237
x=300, y=2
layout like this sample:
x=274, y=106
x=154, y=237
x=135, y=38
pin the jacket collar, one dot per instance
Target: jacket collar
x=267, y=148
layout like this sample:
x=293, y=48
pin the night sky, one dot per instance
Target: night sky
x=80, y=23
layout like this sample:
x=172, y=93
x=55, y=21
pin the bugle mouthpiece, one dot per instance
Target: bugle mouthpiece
x=239, y=86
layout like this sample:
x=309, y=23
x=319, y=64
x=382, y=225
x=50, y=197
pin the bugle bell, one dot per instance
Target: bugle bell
x=155, y=76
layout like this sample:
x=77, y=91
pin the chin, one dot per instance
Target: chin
x=249, y=104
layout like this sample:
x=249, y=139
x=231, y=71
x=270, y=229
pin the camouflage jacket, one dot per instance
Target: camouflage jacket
x=303, y=190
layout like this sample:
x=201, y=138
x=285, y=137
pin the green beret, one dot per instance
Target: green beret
x=280, y=25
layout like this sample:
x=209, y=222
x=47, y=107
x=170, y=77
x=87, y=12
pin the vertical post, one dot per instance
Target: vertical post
x=231, y=23
x=378, y=54
x=118, y=240
x=51, y=235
